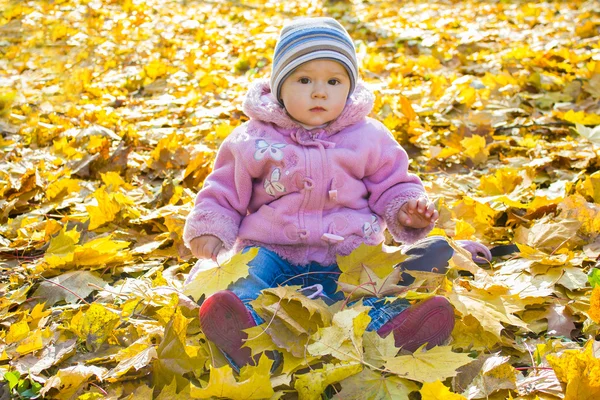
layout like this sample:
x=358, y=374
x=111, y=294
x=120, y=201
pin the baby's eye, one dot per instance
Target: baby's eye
x=304, y=81
x=333, y=82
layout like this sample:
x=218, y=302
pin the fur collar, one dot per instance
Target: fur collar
x=260, y=104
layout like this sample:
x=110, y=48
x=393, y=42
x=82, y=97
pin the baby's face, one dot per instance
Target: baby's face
x=316, y=92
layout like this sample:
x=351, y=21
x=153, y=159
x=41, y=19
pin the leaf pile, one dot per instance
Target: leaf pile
x=110, y=116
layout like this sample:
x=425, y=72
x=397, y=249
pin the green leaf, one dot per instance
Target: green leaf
x=12, y=378
x=594, y=276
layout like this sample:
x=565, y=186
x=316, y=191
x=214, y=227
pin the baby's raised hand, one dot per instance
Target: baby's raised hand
x=417, y=213
x=206, y=246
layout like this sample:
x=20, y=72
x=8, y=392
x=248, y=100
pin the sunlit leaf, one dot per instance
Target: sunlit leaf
x=432, y=365
x=210, y=278
x=312, y=384
x=94, y=325
x=437, y=391
x=254, y=383
x=372, y=385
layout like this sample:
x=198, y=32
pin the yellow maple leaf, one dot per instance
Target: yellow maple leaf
x=69, y=381
x=489, y=310
x=343, y=340
x=62, y=187
x=359, y=266
x=106, y=210
x=7, y=97
x=503, y=181
x=95, y=325
x=432, y=365
x=62, y=247
x=311, y=385
x=468, y=334
x=223, y=130
x=407, y=109
x=101, y=251
x=33, y=342
x=594, y=311
x=292, y=317
x=210, y=277
x=17, y=332
x=581, y=117
x=591, y=187
x=580, y=370
x=155, y=69
x=370, y=384
x=437, y=391
x=475, y=148
x=114, y=181
x=378, y=349
x=463, y=230
x=254, y=383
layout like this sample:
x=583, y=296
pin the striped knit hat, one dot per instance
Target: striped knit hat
x=308, y=39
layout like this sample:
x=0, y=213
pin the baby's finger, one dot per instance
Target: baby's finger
x=421, y=205
x=207, y=250
x=216, y=251
x=430, y=210
x=411, y=205
x=404, y=219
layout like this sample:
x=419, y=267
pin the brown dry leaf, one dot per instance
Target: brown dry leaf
x=69, y=287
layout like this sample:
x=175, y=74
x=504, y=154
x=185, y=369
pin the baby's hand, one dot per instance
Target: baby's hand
x=206, y=246
x=417, y=213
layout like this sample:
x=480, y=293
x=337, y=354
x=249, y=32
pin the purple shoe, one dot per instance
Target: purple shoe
x=222, y=318
x=430, y=321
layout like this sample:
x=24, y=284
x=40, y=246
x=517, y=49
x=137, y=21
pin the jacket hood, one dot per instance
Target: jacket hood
x=261, y=104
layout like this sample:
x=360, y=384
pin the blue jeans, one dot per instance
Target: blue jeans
x=268, y=270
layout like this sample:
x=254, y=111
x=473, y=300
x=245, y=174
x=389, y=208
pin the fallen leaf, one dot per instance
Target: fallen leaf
x=371, y=385
x=254, y=383
x=72, y=286
x=68, y=382
x=432, y=365
x=95, y=325
x=437, y=391
x=210, y=278
x=311, y=385
x=343, y=339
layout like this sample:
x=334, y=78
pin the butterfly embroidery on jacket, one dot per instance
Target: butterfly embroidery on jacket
x=263, y=148
x=372, y=227
x=272, y=186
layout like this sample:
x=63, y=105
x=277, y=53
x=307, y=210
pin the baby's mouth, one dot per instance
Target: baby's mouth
x=317, y=109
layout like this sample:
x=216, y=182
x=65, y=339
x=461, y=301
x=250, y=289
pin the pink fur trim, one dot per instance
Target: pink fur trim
x=297, y=254
x=260, y=104
x=400, y=232
x=210, y=223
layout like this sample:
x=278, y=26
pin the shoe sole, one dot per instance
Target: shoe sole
x=223, y=316
x=429, y=322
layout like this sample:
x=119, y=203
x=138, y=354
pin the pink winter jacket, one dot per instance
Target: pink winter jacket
x=306, y=195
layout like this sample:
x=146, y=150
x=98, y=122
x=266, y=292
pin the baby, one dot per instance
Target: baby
x=310, y=176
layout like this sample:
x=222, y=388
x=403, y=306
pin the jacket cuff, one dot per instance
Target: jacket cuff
x=210, y=223
x=401, y=233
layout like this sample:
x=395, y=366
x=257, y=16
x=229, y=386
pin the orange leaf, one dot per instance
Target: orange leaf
x=407, y=109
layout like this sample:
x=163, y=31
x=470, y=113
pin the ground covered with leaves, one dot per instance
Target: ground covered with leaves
x=110, y=116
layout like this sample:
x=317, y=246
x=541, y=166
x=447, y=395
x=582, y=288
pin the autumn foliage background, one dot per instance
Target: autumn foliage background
x=110, y=116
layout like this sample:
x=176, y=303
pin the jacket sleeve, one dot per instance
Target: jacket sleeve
x=223, y=201
x=390, y=185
